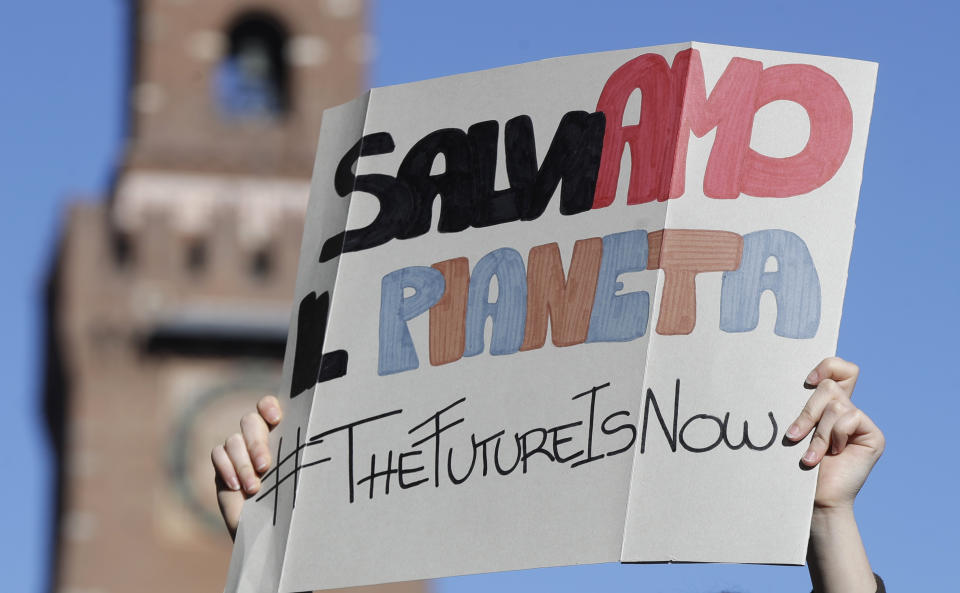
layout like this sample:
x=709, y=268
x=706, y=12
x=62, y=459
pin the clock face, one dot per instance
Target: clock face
x=206, y=420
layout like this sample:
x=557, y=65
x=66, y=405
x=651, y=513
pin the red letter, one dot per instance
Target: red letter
x=651, y=140
x=675, y=103
x=730, y=109
x=831, y=129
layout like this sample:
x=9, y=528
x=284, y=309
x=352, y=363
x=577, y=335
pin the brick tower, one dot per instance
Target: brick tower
x=168, y=302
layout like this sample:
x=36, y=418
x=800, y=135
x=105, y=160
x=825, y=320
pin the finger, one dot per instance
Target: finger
x=842, y=371
x=224, y=468
x=230, y=503
x=827, y=390
x=846, y=426
x=240, y=457
x=255, y=435
x=269, y=408
x=820, y=443
x=865, y=433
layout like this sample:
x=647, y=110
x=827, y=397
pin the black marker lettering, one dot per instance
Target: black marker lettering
x=745, y=440
x=590, y=427
x=396, y=202
x=473, y=463
x=435, y=435
x=374, y=474
x=628, y=426
x=557, y=441
x=527, y=451
x=671, y=436
x=690, y=421
x=496, y=457
x=483, y=444
x=401, y=471
x=349, y=428
x=454, y=185
x=466, y=187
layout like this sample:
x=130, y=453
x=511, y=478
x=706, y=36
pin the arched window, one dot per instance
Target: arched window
x=252, y=80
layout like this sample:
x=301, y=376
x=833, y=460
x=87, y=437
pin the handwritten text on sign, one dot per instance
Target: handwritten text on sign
x=436, y=457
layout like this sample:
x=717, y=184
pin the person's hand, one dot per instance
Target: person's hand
x=242, y=459
x=846, y=443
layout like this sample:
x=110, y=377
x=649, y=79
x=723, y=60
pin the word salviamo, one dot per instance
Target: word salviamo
x=558, y=313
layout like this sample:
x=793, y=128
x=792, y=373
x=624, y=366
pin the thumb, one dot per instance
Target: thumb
x=841, y=371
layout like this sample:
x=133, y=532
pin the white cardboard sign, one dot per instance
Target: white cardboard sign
x=565, y=310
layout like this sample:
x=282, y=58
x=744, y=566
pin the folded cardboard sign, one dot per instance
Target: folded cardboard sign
x=560, y=313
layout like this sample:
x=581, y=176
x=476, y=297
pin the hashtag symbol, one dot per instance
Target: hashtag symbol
x=277, y=472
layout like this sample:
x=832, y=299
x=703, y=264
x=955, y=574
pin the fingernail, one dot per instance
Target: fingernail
x=813, y=377
x=273, y=415
x=793, y=432
x=250, y=485
x=234, y=484
x=810, y=456
x=262, y=463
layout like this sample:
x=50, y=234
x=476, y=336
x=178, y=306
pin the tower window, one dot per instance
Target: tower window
x=261, y=264
x=123, y=249
x=252, y=80
x=196, y=259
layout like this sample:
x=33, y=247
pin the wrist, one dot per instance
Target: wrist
x=833, y=510
x=828, y=519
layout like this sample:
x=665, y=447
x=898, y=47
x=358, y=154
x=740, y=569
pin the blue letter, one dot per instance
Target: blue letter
x=795, y=286
x=509, y=311
x=397, y=352
x=620, y=318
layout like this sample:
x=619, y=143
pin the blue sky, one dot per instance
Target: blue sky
x=62, y=66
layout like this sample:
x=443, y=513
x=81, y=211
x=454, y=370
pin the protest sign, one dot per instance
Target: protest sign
x=560, y=313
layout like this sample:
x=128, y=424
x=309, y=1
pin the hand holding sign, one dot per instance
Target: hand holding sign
x=846, y=444
x=242, y=459
x=854, y=442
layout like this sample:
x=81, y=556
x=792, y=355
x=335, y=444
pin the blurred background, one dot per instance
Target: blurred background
x=154, y=167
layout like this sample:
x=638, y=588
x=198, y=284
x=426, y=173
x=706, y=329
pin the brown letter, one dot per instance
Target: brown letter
x=682, y=254
x=567, y=302
x=448, y=316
